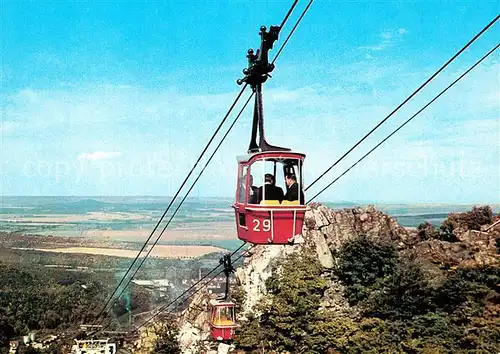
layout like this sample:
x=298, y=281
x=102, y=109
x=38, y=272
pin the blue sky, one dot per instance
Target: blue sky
x=119, y=98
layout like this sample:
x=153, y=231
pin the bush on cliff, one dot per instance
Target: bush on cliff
x=471, y=220
x=453, y=316
x=291, y=308
x=427, y=231
x=166, y=341
x=361, y=263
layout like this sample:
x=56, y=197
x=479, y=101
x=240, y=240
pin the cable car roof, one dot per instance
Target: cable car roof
x=281, y=156
x=222, y=303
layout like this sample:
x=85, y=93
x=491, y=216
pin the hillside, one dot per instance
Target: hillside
x=358, y=282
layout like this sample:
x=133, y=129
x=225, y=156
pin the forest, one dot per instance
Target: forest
x=54, y=293
x=53, y=300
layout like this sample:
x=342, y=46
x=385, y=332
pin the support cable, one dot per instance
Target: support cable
x=407, y=121
x=185, y=196
x=407, y=99
x=171, y=202
x=275, y=58
x=288, y=14
x=291, y=32
x=164, y=307
x=220, y=125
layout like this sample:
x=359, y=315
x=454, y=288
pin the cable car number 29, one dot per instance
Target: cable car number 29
x=266, y=225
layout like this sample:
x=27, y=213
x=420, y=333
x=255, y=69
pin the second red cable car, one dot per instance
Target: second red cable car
x=222, y=318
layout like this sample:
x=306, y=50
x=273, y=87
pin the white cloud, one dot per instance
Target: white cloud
x=98, y=155
x=7, y=127
x=387, y=39
x=161, y=132
x=375, y=47
x=105, y=105
x=386, y=35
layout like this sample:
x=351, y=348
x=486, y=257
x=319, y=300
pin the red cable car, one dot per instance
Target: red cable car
x=264, y=216
x=222, y=320
x=268, y=214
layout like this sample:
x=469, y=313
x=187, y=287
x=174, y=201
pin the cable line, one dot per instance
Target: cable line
x=172, y=201
x=206, y=147
x=402, y=125
x=288, y=14
x=279, y=52
x=220, y=125
x=291, y=32
x=160, y=310
x=407, y=99
x=164, y=307
x=184, y=198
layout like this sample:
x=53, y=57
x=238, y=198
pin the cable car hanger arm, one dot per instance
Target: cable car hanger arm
x=255, y=75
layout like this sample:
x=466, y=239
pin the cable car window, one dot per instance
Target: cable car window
x=241, y=185
x=272, y=191
x=224, y=316
x=257, y=171
x=293, y=180
x=280, y=177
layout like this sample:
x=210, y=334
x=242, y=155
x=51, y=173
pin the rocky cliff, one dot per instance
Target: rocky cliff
x=324, y=231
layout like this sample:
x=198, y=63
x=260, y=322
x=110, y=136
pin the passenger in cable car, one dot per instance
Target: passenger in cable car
x=252, y=191
x=271, y=191
x=292, y=193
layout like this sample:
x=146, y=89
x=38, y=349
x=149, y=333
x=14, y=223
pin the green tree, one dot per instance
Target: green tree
x=295, y=290
x=167, y=334
x=361, y=262
x=404, y=294
x=32, y=298
x=251, y=336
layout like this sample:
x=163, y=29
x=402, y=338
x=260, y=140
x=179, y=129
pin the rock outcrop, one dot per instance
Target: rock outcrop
x=473, y=248
x=338, y=226
x=324, y=231
x=194, y=329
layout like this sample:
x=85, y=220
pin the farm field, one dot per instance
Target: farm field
x=159, y=251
